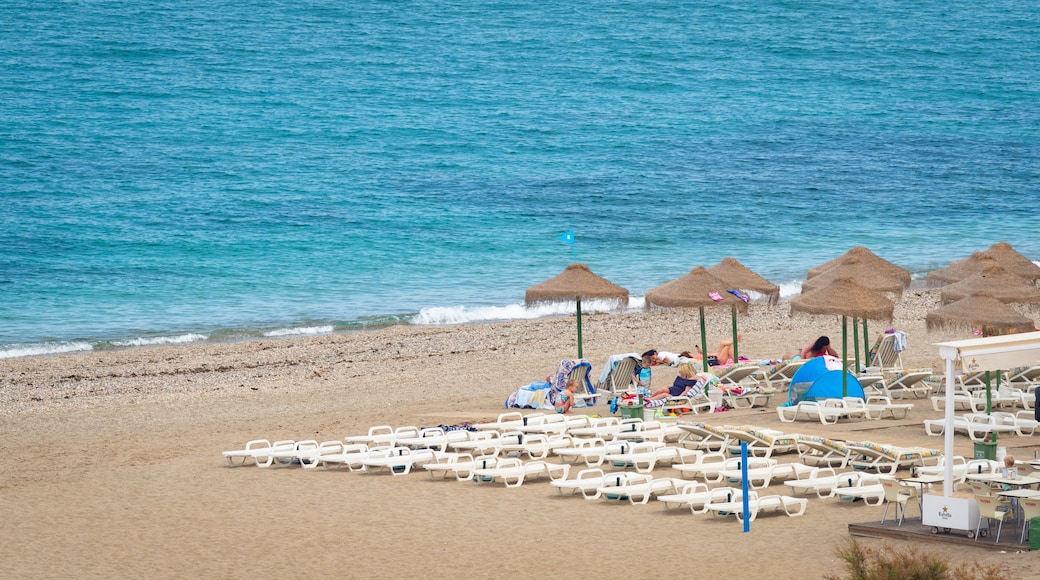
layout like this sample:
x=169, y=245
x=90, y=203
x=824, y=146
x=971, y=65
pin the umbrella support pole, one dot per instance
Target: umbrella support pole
x=704, y=341
x=736, y=352
x=578, y=301
x=844, y=356
x=866, y=345
x=855, y=342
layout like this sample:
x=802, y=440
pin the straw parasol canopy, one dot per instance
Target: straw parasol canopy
x=863, y=273
x=862, y=255
x=980, y=311
x=1001, y=254
x=575, y=282
x=739, y=276
x=1013, y=261
x=691, y=290
x=996, y=282
x=844, y=297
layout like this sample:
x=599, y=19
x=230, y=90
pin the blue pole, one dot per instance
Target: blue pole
x=744, y=485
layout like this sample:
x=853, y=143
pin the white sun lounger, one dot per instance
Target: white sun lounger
x=512, y=472
x=645, y=456
x=433, y=438
x=536, y=446
x=587, y=482
x=791, y=506
x=867, y=488
x=765, y=475
x=712, y=465
x=593, y=451
x=976, y=425
x=380, y=435
x=257, y=451
x=822, y=452
x=398, y=460
x=692, y=495
x=459, y=465
x=702, y=436
x=349, y=455
x=304, y=453
x=638, y=487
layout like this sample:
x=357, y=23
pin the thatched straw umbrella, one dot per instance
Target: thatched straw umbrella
x=844, y=297
x=691, y=291
x=1013, y=261
x=740, y=277
x=865, y=256
x=980, y=311
x=1000, y=254
x=576, y=281
x=996, y=282
x=868, y=271
x=987, y=312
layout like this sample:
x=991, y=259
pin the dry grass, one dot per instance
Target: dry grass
x=886, y=562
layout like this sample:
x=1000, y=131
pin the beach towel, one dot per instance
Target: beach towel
x=542, y=395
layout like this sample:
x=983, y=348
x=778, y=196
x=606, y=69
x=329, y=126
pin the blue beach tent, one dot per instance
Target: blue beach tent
x=820, y=378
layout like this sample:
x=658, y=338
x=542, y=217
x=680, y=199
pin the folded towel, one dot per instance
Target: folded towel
x=715, y=296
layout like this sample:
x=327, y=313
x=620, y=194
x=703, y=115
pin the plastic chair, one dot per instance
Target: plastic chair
x=988, y=509
x=1030, y=509
x=896, y=494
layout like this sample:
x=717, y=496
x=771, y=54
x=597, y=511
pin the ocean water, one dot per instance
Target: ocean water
x=184, y=171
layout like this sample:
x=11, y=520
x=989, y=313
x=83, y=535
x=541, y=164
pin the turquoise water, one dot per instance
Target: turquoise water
x=179, y=171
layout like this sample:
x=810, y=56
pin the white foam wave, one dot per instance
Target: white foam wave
x=17, y=350
x=790, y=289
x=181, y=339
x=466, y=314
x=307, y=330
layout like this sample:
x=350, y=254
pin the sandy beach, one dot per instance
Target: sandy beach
x=113, y=467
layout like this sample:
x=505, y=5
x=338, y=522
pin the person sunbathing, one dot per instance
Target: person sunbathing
x=687, y=383
x=723, y=355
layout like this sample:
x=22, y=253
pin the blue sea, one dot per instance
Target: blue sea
x=176, y=171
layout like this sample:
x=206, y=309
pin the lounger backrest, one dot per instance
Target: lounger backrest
x=884, y=354
x=620, y=378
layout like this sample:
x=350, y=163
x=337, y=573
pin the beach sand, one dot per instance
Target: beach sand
x=113, y=467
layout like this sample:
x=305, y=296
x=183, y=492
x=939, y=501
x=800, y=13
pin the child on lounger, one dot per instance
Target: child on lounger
x=565, y=400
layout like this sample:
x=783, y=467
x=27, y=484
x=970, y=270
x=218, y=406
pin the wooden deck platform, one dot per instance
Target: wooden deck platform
x=912, y=530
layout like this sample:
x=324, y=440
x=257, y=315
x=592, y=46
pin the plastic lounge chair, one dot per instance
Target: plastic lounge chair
x=779, y=376
x=649, y=431
x=866, y=487
x=884, y=354
x=961, y=397
x=644, y=457
x=760, y=442
x=433, y=438
x=877, y=406
x=764, y=476
x=1023, y=421
x=536, y=446
x=397, y=460
x=1030, y=509
x=485, y=442
x=820, y=480
x=694, y=496
x=821, y=451
x=712, y=466
x=591, y=451
x=384, y=435
x=639, y=487
x=828, y=411
x=699, y=403
x=977, y=426
x=303, y=453
x=555, y=424
x=742, y=387
x=349, y=456
x=1025, y=378
x=257, y=450
x=586, y=392
x=914, y=383
x=620, y=380
x=601, y=427
x=510, y=421
x=888, y=459
x=586, y=482
x=702, y=436
x=512, y=472
x=733, y=504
